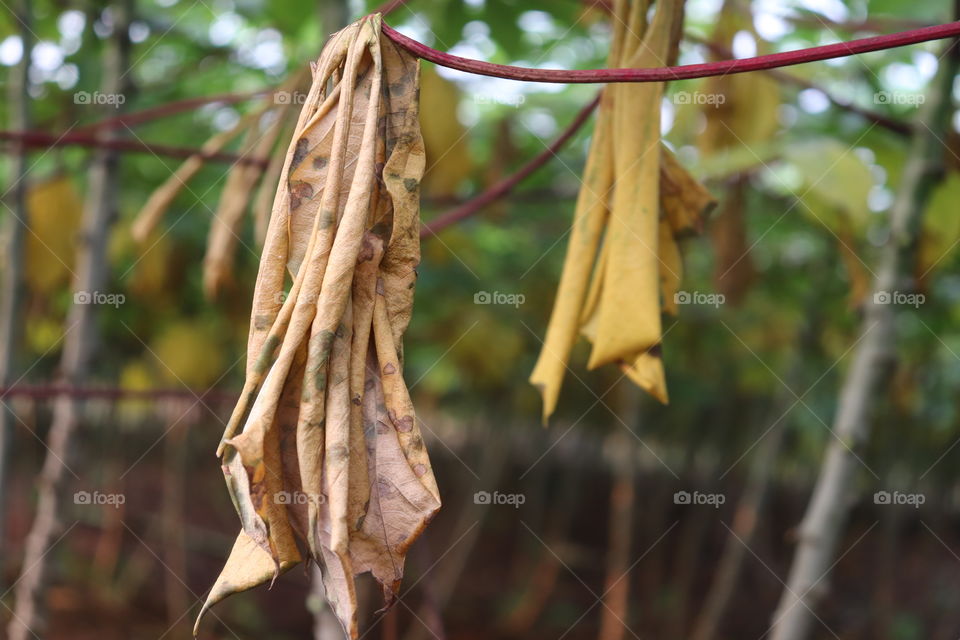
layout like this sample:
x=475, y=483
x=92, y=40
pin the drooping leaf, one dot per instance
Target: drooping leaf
x=623, y=260
x=323, y=452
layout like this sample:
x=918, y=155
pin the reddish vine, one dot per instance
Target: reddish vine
x=683, y=72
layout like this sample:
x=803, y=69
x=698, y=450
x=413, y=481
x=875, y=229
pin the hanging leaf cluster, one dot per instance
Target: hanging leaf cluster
x=323, y=457
x=623, y=262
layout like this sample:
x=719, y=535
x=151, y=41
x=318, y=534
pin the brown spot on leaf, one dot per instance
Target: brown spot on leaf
x=389, y=369
x=405, y=424
x=386, y=487
x=326, y=219
x=266, y=357
x=300, y=152
x=300, y=191
x=366, y=250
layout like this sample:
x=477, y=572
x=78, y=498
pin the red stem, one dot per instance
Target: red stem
x=389, y=7
x=42, y=139
x=167, y=109
x=505, y=186
x=688, y=71
x=892, y=124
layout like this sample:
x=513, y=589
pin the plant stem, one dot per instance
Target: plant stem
x=684, y=72
x=615, y=616
x=29, y=617
x=12, y=300
x=761, y=476
x=891, y=124
x=823, y=523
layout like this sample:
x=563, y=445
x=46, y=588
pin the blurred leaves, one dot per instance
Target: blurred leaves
x=54, y=208
x=466, y=357
x=449, y=161
x=941, y=227
x=835, y=183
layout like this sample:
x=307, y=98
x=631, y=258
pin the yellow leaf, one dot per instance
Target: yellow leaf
x=940, y=232
x=444, y=136
x=54, y=209
x=176, y=349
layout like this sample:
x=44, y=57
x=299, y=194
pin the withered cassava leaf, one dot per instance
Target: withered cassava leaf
x=323, y=451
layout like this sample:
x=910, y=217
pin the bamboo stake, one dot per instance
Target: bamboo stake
x=29, y=619
x=13, y=283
